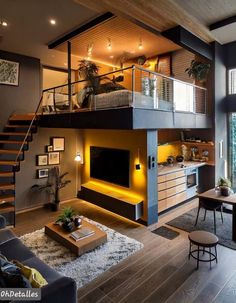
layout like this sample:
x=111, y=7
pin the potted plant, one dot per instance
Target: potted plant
x=198, y=70
x=224, y=185
x=88, y=71
x=66, y=218
x=53, y=186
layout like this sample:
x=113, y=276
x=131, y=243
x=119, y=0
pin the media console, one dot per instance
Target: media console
x=112, y=200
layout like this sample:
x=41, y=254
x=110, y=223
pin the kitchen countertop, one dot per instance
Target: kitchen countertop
x=162, y=170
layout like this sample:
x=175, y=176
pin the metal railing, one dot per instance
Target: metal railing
x=29, y=128
x=129, y=87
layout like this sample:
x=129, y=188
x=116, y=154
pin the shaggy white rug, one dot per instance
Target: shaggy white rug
x=85, y=268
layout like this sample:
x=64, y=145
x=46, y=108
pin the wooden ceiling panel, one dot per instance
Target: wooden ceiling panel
x=125, y=38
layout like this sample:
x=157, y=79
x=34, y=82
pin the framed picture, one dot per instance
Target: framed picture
x=53, y=158
x=9, y=72
x=58, y=143
x=49, y=148
x=42, y=160
x=42, y=173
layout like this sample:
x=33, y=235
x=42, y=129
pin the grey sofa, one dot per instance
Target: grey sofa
x=59, y=289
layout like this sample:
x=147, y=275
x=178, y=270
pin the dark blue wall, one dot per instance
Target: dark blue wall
x=25, y=97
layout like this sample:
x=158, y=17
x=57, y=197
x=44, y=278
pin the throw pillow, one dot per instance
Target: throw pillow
x=10, y=275
x=32, y=274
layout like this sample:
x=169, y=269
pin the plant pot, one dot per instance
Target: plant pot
x=225, y=191
x=55, y=206
x=68, y=226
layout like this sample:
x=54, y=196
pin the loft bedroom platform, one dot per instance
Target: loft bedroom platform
x=129, y=98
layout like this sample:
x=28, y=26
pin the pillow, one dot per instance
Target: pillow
x=10, y=275
x=34, y=276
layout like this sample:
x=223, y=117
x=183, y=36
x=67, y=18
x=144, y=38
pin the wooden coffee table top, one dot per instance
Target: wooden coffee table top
x=79, y=247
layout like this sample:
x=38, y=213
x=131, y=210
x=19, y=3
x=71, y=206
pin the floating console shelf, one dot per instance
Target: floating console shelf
x=112, y=200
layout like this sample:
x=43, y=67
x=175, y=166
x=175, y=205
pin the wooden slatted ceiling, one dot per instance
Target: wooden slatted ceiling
x=125, y=37
x=158, y=14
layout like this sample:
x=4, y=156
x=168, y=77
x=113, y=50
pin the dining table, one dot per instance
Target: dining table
x=215, y=195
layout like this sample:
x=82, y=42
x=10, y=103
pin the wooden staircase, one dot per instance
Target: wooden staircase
x=11, y=140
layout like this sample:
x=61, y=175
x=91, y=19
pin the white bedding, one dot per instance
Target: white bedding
x=122, y=98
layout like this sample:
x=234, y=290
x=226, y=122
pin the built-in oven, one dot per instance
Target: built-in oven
x=192, y=181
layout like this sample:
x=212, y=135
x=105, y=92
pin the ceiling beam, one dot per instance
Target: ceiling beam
x=158, y=14
x=222, y=23
x=100, y=19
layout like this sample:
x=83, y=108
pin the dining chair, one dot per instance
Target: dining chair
x=212, y=206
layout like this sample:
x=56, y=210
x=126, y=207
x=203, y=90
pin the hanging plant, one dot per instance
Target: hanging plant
x=198, y=70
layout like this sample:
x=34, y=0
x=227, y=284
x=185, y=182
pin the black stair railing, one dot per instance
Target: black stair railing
x=29, y=128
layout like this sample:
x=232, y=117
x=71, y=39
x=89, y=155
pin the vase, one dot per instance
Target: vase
x=225, y=191
x=77, y=221
x=68, y=225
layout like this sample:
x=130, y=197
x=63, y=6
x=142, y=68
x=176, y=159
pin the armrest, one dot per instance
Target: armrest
x=2, y=222
x=60, y=291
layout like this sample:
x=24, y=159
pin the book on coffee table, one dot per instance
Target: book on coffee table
x=82, y=233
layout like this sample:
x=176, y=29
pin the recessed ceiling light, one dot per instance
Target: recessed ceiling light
x=53, y=21
x=111, y=56
x=4, y=23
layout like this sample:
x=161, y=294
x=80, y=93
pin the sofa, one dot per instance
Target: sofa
x=59, y=289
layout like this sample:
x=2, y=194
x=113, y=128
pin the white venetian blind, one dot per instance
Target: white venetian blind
x=232, y=81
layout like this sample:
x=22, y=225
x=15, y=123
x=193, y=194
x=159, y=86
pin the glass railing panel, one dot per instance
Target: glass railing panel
x=128, y=87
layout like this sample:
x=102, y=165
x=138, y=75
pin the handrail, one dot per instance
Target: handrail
x=75, y=82
x=167, y=77
x=29, y=128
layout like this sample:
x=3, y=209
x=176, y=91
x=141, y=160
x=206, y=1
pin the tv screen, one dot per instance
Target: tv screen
x=111, y=165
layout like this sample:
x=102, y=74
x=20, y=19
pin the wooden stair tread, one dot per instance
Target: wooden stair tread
x=6, y=198
x=6, y=209
x=6, y=174
x=7, y=186
x=23, y=117
x=8, y=162
x=13, y=133
x=19, y=126
x=11, y=142
x=10, y=151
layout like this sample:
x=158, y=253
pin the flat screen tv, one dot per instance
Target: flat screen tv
x=111, y=165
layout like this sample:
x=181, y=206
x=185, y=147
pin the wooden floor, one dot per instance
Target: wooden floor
x=160, y=272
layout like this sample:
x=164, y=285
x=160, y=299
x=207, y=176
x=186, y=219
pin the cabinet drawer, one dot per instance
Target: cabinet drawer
x=170, y=191
x=180, y=188
x=181, y=180
x=181, y=197
x=161, y=186
x=172, y=201
x=161, y=195
x=161, y=205
x=180, y=174
x=170, y=176
x=161, y=179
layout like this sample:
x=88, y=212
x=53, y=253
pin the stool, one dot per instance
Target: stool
x=203, y=239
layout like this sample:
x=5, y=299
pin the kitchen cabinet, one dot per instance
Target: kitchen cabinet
x=172, y=189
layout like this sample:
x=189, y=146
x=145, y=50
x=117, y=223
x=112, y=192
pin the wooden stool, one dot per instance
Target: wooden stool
x=203, y=239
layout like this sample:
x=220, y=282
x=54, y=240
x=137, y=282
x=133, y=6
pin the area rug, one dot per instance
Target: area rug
x=223, y=230
x=166, y=232
x=87, y=267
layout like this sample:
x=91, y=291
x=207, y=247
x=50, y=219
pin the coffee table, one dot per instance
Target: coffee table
x=213, y=195
x=79, y=247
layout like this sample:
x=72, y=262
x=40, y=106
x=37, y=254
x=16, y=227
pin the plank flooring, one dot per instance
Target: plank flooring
x=160, y=272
